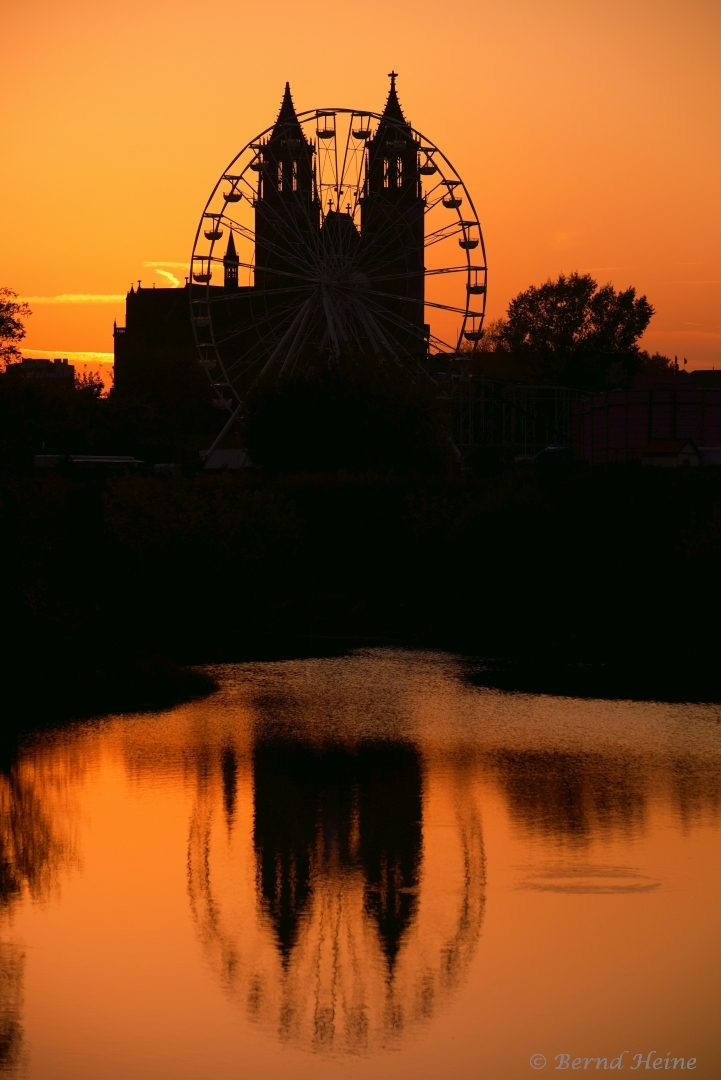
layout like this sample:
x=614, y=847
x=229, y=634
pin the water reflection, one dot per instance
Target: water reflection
x=12, y=963
x=353, y=927
x=336, y=862
x=577, y=797
x=581, y=798
x=34, y=845
x=320, y=813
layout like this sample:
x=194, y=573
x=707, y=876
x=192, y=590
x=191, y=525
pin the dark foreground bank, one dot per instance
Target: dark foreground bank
x=603, y=582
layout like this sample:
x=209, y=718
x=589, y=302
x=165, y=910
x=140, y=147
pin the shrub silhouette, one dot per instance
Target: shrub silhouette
x=356, y=414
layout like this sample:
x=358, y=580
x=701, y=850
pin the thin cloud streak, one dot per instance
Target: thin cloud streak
x=170, y=265
x=76, y=298
x=167, y=274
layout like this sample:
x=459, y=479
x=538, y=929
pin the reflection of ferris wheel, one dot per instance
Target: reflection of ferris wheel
x=335, y=231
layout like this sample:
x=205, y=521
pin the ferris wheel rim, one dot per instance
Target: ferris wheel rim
x=450, y=177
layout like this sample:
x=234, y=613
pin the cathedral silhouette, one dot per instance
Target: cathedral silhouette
x=319, y=269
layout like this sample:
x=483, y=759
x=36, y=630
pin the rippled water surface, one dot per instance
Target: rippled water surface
x=364, y=867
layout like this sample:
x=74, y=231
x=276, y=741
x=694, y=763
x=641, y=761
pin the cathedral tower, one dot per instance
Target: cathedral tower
x=392, y=223
x=286, y=208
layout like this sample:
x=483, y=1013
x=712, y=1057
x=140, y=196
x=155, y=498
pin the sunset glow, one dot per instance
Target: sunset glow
x=587, y=136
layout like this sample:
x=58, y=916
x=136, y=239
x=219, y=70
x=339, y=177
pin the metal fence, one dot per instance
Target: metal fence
x=513, y=418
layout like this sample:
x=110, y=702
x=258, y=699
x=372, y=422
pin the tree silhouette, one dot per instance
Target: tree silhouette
x=12, y=330
x=571, y=331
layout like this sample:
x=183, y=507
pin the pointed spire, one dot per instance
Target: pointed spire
x=231, y=254
x=287, y=114
x=393, y=110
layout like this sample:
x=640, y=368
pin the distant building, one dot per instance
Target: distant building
x=619, y=425
x=671, y=453
x=156, y=337
x=51, y=371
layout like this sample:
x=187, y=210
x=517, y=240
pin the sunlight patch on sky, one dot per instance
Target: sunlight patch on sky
x=74, y=357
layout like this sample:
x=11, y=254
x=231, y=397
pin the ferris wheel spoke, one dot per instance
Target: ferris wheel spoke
x=375, y=333
x=261, y=315
x=236, y=226
x=445, y=232
x=433, y=188
x=375, y=255
x=426, y=273
x=410, y=327
x=285, y=221
x=407, y=325
x=301, y=238
x=288, y=336
x=256, y=321
x=399, y=229
x=293, y=254
x=236, y=299
x=423, y=303
x=253, y=327
x=465, y=269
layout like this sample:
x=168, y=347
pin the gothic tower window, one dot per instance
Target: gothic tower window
x=386, y=173
x=399, y=172
x=280, y=176
x=295, y=174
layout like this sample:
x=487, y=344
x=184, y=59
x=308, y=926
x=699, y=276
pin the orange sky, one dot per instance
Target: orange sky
x=587, y=132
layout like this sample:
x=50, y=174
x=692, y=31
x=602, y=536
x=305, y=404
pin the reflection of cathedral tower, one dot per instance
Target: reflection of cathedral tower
x=392, y=220
x=284, y=835
x=286, y=205
x=390, y=810
x=321, y=813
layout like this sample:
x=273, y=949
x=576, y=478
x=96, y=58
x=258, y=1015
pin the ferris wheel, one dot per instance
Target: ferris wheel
x=335, y=230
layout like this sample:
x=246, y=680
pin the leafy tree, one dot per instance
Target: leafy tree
x=572, y=331
x=12, y=330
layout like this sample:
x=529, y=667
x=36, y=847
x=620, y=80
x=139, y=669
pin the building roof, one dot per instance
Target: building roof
x=671, y=446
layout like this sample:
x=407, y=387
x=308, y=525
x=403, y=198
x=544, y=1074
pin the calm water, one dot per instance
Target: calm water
x=363, y=867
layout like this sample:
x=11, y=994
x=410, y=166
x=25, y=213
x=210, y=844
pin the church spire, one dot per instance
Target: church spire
x=230, y=264
x=287, y=115
x=393, y=110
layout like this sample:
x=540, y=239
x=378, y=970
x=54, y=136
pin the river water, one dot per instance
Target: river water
x=364, y=867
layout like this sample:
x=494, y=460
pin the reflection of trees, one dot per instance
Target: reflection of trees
x=32, y=849
x=695, y=788
x=575, y=796
x=352, y=927
x=12, y=962
x=580, y=797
